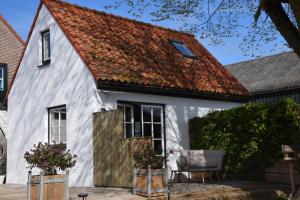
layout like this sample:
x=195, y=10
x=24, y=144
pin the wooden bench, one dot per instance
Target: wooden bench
x=197, y=161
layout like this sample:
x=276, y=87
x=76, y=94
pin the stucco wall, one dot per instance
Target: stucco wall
x=3, y=121
x=65, y=81
x=3, y=125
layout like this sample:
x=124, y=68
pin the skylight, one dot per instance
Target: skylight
x=182, y=48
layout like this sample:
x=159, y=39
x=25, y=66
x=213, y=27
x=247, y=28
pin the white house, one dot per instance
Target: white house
x=79, y=61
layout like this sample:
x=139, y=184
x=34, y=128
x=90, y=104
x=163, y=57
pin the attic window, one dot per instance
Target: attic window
x=46, y=46
x=183, y=49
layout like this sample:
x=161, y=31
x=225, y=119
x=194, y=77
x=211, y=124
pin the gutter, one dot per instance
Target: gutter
x=136, y=88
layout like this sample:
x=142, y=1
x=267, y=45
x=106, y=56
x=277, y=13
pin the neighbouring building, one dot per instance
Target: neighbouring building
x=270, y=79
x=11, y=47
x=80, y=62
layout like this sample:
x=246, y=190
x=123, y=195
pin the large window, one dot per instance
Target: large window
x=142, y=120
x=46, y=47
x=57, y=124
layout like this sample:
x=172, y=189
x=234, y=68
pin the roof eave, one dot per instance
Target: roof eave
x=286, y=90
x=172, y=92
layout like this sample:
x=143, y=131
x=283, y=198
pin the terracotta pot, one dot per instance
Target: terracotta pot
x=157, y=182
x=54, y=188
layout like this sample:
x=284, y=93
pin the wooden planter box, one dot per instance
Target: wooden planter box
x=54, y=187
x=150, y=182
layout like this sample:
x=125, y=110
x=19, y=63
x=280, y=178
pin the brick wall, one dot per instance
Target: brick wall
x=10, y=48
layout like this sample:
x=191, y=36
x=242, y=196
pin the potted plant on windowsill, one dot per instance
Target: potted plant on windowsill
x=150, y=176
x=50, y=158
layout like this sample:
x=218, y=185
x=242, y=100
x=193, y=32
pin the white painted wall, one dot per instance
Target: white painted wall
x=3, y=121
x=68, y=81
x=65, y=81
x=177, y=113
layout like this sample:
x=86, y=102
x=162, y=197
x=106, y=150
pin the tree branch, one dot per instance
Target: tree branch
x=295, y=6
x=284, y=25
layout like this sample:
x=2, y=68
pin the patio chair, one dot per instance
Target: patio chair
x=198, y=161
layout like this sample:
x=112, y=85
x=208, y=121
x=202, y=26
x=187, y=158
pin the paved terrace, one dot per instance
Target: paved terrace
x=233, y=190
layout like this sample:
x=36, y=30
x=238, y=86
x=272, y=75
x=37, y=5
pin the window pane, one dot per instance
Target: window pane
x=63, y=116
x=128, y=114
x=182, y=48
x=63, y=128
x=147, y=130
x=1, y=84
x=146, y=114
x=58, y=125
x=46, y=45
x=157, y=130
x=1, y=72
x=157, y=114
x=63, y=134
x=137, y=129
x=54, y=118
x=54, y=134
x=158, y=146
x=128, y=130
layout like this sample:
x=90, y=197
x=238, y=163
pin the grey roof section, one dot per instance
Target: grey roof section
x=272, y=73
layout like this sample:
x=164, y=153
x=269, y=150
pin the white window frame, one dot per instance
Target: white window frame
x=123, y=106
x=152, y=124
x=2, y=79
x=58, y=108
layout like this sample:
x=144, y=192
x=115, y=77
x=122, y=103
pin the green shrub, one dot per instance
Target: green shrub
x=50, y=158
x=250, y=135
x=149, y=157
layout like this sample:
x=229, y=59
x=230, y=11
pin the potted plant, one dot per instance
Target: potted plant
x=50, y=158
x=150, y=176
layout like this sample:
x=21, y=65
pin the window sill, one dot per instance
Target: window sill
x=63, y=145
x=45, y=63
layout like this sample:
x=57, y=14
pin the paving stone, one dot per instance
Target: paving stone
x=231, y=190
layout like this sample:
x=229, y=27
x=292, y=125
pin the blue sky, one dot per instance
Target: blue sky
x=20, y=14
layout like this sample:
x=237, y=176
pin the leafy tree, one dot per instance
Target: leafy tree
x=219, y=19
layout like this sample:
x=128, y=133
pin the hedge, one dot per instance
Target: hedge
x=250, y=135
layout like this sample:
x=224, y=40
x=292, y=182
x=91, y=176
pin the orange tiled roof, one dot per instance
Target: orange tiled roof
x=121, y=50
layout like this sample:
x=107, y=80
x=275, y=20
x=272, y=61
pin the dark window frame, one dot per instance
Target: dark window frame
x=46, y=61
x=49, y=123
x=193, y=56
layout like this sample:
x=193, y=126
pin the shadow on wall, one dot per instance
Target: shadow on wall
x=177, y=116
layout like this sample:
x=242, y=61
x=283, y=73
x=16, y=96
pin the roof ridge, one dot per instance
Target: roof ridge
x=119, y=17
x=259, y=58
x=12, y=30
